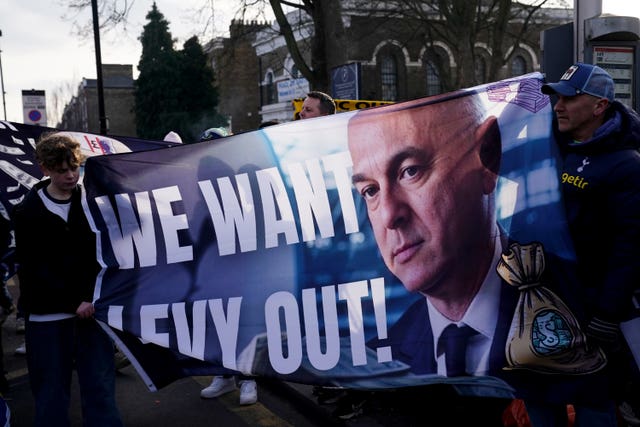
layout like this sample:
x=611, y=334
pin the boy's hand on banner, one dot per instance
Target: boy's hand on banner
x=85, y=310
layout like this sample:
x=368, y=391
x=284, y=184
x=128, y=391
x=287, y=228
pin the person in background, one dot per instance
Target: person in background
x=317, y=104
x=223, y=384
x=599, y=139
x=57, y=269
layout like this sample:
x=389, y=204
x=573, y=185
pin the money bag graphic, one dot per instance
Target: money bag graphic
x=544, y=336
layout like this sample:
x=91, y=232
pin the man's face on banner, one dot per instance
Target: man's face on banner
x=426, y=191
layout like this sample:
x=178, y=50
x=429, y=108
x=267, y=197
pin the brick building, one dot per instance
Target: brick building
x=81, y=113
x=237, y=70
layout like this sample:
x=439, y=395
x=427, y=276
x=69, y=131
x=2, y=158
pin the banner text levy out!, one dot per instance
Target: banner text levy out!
x=286, y=337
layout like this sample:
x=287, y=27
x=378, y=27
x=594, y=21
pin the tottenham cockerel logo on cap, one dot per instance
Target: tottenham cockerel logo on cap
x=569, y=73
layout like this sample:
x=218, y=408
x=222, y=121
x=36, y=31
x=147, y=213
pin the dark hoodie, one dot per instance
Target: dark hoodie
x=57, y=259
x=601, y=187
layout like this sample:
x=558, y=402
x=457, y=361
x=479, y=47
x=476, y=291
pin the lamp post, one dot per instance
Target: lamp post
x=96, y=37
x=4, y=104
x=582, y=10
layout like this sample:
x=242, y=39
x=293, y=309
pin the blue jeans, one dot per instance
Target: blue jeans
x=53, y=350
x=555, y=415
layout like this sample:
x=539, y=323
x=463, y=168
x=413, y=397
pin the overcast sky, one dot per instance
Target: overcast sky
x=39, y=51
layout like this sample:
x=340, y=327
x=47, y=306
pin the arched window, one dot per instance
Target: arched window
x=518, y=66
x=389, y=78
x=480, y=69
x=295, y=73
x=270, y=88
x=434, y=84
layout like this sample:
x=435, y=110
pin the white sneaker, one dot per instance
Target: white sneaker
x=248, y=392
x=218, y=387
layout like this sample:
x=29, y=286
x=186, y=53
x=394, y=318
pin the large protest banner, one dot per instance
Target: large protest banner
x=301, y=251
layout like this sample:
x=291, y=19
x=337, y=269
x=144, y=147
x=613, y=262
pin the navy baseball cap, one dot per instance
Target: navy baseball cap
x=583, y=78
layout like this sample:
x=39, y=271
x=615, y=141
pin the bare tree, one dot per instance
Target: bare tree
x=326, y=45
x=314, y=57
x=207, y=17
x=500, y=25
x=314, y=35
x=112, y=13
x=317, y=42
x=58, y=99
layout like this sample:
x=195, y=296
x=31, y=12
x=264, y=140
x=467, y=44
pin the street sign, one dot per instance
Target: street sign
x=34, y=107
x=345, y=81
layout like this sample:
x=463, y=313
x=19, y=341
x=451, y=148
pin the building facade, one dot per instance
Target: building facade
x=237, y=71
x=257, y=79
x=81, y=113
x=393, y=61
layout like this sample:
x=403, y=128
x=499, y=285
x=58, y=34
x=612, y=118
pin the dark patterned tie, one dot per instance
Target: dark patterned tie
x=454, y=343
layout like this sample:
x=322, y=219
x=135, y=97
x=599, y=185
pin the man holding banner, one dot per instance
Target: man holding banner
x=599, y=138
